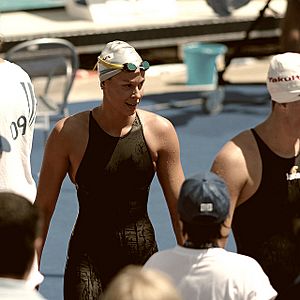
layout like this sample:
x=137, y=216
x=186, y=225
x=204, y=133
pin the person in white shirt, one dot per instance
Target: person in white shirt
x=17, y=118
x=19, y=234
x=18, y=105
x=201, y=269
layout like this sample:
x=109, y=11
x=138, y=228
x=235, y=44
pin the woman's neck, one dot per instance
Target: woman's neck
x=284, y=145
x=113, y=126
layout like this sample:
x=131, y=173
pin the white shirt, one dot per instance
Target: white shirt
x=214, y=274
x=14, y=289
x=17, y=119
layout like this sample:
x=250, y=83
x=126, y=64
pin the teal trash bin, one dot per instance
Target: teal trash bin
x=200, y=60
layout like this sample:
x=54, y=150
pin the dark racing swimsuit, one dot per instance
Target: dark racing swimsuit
x=262, y=225
x=113, y=228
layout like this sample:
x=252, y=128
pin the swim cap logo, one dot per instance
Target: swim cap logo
x=284, y=79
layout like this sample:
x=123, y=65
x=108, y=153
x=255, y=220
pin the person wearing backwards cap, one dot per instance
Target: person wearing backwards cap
x=256, y=164
x=201, y=268
x=111, y=154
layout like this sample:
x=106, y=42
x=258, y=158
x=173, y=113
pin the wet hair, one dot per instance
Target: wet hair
x=136, y=283
x=19, y=222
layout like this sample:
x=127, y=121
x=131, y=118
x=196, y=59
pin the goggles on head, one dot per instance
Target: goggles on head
x=129, y=67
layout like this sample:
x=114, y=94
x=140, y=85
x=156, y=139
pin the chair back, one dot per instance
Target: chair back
x=52, y=64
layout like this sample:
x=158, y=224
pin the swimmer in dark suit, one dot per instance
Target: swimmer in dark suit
x=111, y=154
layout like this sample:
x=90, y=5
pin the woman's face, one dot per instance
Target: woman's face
x=124, y=91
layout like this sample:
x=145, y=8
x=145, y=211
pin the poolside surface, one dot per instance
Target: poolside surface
x=200, y=136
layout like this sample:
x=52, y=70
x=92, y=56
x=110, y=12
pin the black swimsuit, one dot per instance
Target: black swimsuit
x=262, y=224
x=113, y=228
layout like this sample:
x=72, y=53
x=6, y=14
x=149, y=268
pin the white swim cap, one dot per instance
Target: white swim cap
x=119, y=53
x=283, y=80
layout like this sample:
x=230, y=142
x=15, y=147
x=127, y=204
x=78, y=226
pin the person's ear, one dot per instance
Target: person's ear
x=102, y=85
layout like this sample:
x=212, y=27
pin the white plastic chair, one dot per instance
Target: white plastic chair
x=52, y=64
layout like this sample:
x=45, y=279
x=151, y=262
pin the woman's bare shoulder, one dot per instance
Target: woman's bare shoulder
x=72, y=122
x=245, y=141
x=154, y=120
x=239, y=148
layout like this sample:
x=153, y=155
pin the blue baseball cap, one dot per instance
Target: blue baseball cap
x=4, y=144
x=204, y=199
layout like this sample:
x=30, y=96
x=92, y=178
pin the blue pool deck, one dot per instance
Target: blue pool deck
x=200, y=136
